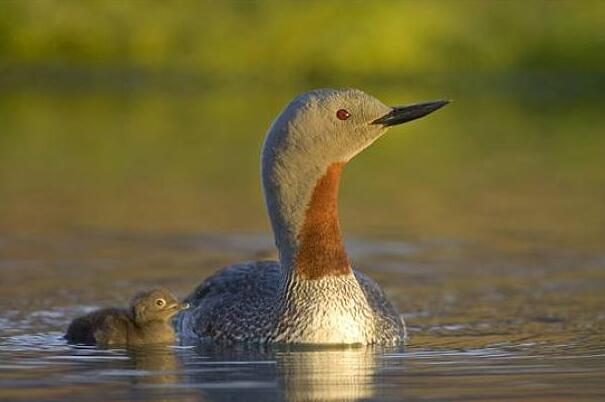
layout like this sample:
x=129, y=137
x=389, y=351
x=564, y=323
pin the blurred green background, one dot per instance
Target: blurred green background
x=149, y=115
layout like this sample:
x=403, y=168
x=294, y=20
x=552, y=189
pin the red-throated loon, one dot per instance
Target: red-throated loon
x=311, y=295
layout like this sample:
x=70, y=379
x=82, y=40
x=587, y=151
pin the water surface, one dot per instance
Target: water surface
x=485, y=224
x=483, y=324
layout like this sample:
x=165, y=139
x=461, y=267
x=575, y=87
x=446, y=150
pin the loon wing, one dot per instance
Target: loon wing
x=231, y=303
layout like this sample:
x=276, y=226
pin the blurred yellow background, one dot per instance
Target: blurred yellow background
x=149, y=115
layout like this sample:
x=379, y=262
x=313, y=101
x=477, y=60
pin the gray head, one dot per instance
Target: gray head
x=333, y=125
x=317, y=130
x=155, y=305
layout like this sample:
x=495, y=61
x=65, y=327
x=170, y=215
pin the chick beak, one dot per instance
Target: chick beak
x=402, y=114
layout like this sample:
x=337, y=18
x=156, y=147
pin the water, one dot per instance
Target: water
x=484, y=223
x=483, y=324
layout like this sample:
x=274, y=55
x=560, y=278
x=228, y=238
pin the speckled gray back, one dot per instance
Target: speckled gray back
x=256, y=302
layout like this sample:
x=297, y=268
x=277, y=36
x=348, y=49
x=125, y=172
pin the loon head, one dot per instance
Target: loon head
x=155, y=305
x=333, y=125
x=304, y=152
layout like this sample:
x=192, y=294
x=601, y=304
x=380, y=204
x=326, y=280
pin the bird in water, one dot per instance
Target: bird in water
x=311, y=295
x=147, y=321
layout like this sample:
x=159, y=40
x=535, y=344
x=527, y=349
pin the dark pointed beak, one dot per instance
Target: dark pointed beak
x=402, y=114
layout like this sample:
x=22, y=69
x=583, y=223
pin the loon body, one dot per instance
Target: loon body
x=311, y=295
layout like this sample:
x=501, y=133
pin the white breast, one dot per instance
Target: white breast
x=331, y=310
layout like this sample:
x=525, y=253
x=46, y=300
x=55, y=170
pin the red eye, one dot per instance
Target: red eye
x=343, y=114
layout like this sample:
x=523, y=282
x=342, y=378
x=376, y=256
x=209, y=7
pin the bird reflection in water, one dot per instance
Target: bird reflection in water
x=295, y=373
x=328, y=375
x=157, y=364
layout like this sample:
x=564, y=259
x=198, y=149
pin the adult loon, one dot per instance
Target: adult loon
x=311, y=295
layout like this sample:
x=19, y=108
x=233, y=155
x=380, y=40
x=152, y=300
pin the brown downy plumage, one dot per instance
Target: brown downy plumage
x=146, y=321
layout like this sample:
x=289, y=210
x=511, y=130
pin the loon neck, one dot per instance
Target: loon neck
x=304, y=216
x=320, y=249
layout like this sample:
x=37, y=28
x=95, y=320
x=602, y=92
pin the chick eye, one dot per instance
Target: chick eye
x=343, y=114
x=160, y=302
